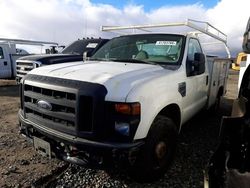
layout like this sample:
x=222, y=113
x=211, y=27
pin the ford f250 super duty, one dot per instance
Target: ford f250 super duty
x=126, y=104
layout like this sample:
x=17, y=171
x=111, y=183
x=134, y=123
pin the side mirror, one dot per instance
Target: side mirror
x=86, y=55
x=53, y=50
x=199, y=63
x=47, y=51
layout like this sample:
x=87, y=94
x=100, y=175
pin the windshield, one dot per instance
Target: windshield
x=157, y=48
x=80, y=46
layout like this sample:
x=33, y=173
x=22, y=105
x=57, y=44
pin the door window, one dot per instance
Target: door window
x=1, y=53
x=193, y=47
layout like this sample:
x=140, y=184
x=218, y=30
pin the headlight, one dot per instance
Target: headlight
x=37, y=64
x=126, y=118
x=122, y=128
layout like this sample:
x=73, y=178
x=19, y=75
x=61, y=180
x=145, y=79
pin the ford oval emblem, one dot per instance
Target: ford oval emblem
x=44, y=104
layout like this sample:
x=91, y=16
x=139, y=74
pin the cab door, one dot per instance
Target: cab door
x=5, y=63
x=196, y=82
x=201, y=76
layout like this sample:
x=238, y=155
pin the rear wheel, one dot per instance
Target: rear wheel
x=215, y=108
x=158, y=151
x=217, y=103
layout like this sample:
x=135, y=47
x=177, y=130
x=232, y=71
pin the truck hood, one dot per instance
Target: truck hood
x=48, y=59
x=119, y=78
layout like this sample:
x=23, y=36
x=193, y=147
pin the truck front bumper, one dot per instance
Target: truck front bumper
x=78, y=150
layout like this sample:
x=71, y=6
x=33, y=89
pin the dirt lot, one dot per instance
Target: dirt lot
x=20, y=166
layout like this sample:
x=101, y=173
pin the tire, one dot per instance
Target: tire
x=158, y=151
x=217, y=103
x=215, y=108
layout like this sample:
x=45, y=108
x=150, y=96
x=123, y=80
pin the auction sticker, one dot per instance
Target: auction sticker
x=92, y=45
x=168, y=43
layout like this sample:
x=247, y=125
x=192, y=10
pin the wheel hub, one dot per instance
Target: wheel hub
x=160, y=150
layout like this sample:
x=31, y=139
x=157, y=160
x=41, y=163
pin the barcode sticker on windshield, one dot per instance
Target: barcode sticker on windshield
x=91, y=45
x=169, y=43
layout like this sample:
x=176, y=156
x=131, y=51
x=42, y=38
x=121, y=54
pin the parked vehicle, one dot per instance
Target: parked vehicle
x=230, y=164
x=243, y=67
x=126, y=104
x=73, y=52
x=241, y=58
x=9, y=53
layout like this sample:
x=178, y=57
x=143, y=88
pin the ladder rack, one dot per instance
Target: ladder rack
x=27, y=42
x=206, y=29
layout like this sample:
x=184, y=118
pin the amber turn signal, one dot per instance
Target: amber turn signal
x=128, y=108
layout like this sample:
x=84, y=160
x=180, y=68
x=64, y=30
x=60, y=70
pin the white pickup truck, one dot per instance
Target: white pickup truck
x=9, y=53
x=127, y=103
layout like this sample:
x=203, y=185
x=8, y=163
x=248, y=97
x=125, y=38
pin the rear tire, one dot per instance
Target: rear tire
x=217, y=104
x=158, y=151
x=215, y=108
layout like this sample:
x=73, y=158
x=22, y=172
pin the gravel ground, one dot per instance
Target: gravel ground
x=20, y=165
x=197, y=142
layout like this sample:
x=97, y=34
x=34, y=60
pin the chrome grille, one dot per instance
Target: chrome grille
x=23, y=67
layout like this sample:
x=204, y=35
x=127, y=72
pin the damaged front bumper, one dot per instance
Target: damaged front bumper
x=84, y=152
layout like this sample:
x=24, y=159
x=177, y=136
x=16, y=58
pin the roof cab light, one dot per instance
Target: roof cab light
x=128, y=108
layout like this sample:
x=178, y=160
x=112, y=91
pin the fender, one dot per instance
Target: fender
x=153, y=101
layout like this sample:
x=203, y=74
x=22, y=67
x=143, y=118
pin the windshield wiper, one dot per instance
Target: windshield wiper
x=134, y=61
x=98, y=59
x=124, y=60
x=71, y=52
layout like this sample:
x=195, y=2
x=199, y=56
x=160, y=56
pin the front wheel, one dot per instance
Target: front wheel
x=158, y=151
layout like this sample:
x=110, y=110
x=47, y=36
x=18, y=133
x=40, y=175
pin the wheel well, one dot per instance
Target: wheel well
x=172, y=111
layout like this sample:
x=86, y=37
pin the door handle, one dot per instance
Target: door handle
x=5, y=63
x=206, y=80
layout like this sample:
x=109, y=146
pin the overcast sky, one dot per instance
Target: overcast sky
x=64, y=21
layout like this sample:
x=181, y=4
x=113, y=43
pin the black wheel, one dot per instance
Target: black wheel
x=215, y=108
x=217, y=103
x=158, y=151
